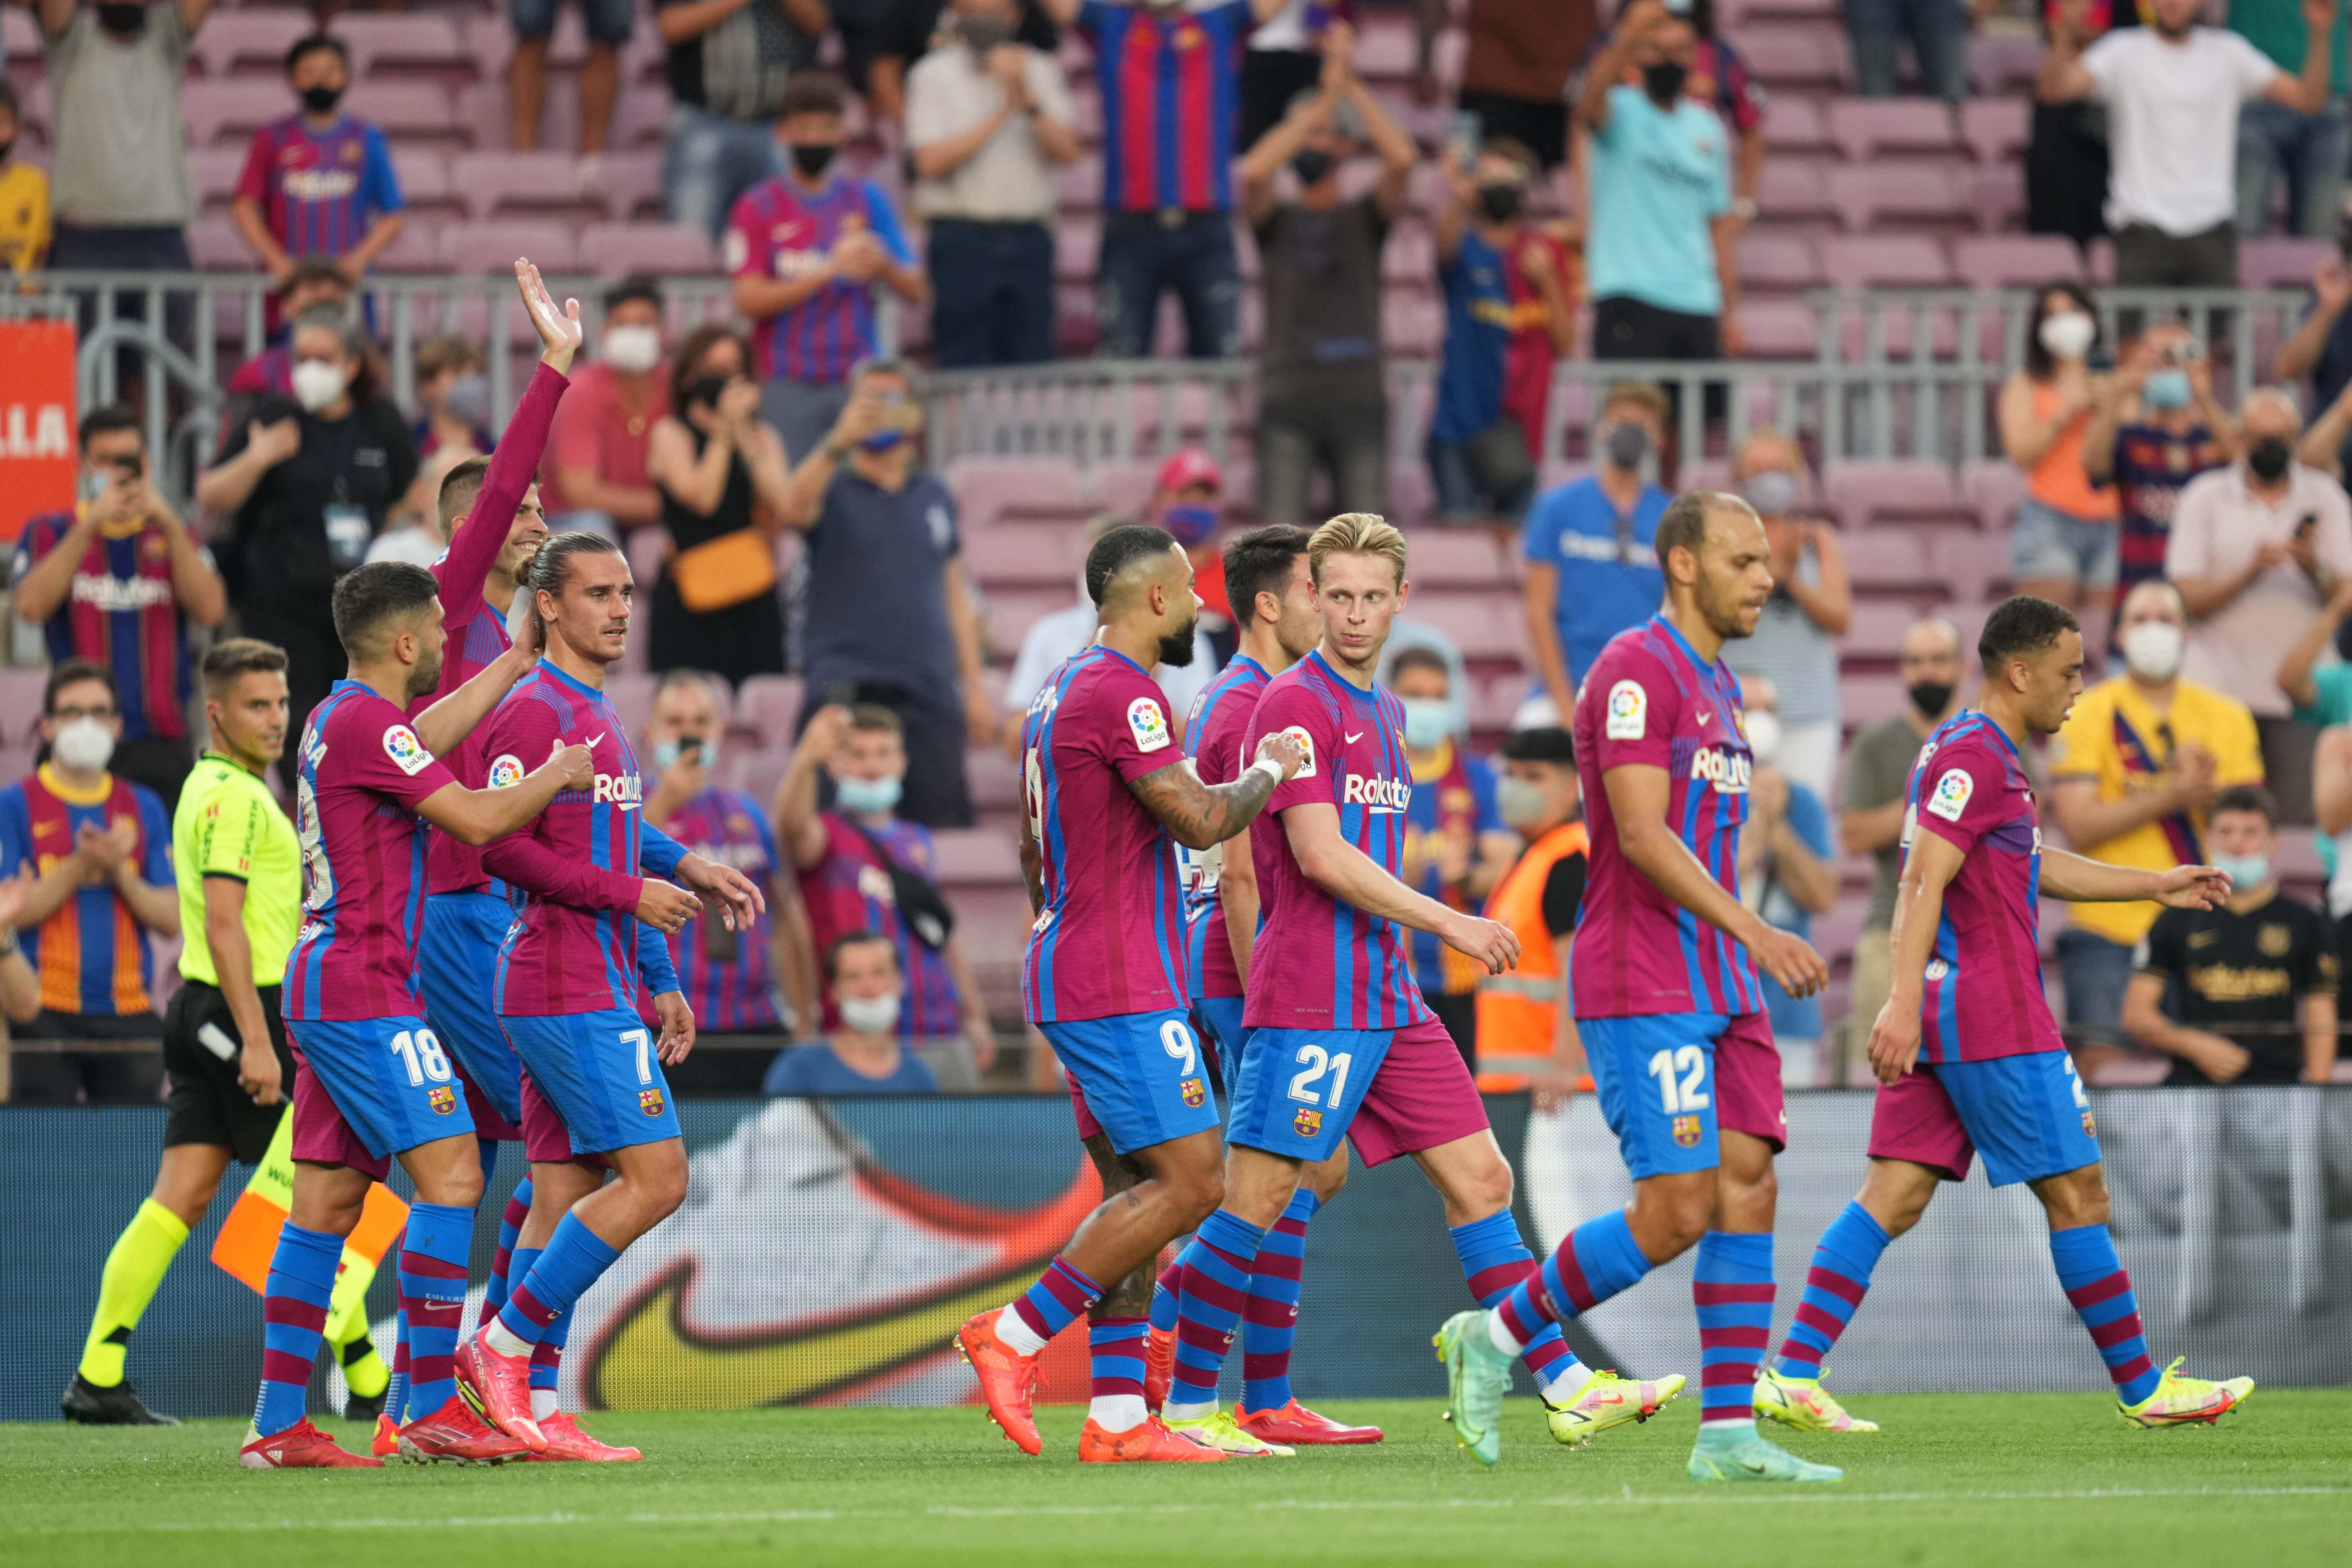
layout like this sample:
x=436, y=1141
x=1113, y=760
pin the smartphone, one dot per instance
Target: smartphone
x=1463, y=133
x=134, y=466
x=2303, y=525
x=689, y=748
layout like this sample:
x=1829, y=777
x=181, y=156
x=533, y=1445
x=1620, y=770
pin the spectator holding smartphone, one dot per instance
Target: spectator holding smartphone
x=2159, y=430
x=2063, y=547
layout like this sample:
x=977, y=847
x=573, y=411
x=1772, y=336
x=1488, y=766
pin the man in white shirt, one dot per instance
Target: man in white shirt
x=2173, y=90
x=987, y=119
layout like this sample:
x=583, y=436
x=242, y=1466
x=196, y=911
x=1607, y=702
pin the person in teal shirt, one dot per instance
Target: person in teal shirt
x=2322, y=695
x=2309, y=150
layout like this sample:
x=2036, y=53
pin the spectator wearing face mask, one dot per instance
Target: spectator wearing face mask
x=1812, y=603
x=2132, y=776
x=305, y=485
x=2158, y=429
x=453, y=399
x=318, y=182
x=310, y=282
x=863, y=1050
x=1592, y=568
x=1527, y=1030
x=1455, y=843
x=1788, y=873
x=2063, y=545
x=730, y=65
x=1188, y=502
x=119, y=179
x=594, y=476
x=864, y=867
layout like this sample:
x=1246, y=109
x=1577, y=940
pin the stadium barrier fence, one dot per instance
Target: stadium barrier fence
x=827, y=1250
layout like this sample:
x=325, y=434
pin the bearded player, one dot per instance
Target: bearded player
x=373, y=1081
x=1668, y=1002
x=1108, y=796
x=1967, y=1057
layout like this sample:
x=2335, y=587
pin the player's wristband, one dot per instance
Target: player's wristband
x=1270, y=768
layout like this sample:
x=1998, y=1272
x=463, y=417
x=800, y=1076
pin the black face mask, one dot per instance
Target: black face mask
x=705, y=389
x=2268, y=458
x=1500, y=203
x=1929, y=696
x=127, y=18
x=813, y=158
x=322, y=99
x=1311, y=166
x=1664, y=81
x=981, y=34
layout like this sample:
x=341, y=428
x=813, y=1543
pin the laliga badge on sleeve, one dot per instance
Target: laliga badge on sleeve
x=406, y=752
x=1951, y=795
x=1629, y=712
x=1305, y=743
x=1147, y=724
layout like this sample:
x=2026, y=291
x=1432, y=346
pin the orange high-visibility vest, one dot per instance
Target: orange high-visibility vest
x=1518, y=1008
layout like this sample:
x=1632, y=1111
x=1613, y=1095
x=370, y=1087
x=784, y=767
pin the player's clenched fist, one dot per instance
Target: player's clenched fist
x=578, y=764
x=665, y=907
x=1491, y=943
x=1791, y=963
x=1285, y=751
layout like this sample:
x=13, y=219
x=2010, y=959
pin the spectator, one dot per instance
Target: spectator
x=119, y=184
x=1871, y=803
x=1456, y=846
x=2276, y=139
x=881, y=38
x=1166, y=223
x=310, y=283
x=2322, y=694
x=1937, y=32
x=453, y=394
x=306, y=483
x=414, y=527
x=594, y=474
x=2066, y=145
x=1515, y=77
x=116, y=581
x=2158, y=429
x=1788, y=873
x=318, y=182
x=1405, y=634
x=730, y=63
x=987, y=120
x=1591, y=569
x=730, y=977
x=607, y=24
x=2063, y=547
x=1283, y=60
x=2173, y=90
x=1527, y=1033
x=891, y=619
x=2253, y=974
x=2255, y=550
x=1812, y=603
x=100, y=849
x=861, y=1053
x=1051, y=638
x=24, y=194
x=804, y=248
x=1321, y=394
x=2132, y=775
x=1498, y=274
x=1661, y=225
x=865, y=868
x=722, y=477
x=1718, y=80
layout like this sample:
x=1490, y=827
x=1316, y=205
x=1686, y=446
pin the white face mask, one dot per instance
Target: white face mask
x=84, y=745
x=1764, y=736
x=317, y=383
x=2069, y=334
x=869, y=1015
x=632, y=351
x=2152, y=649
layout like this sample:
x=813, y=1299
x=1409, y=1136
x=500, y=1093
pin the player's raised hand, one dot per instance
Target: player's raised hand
x=2193, y=887
x=665, y=907
x=1895, y=1040
x=676, y=1026
x=561, y=332
x=1287, y=751
x=1791, y=963
x=1491, y=943
x=578, y=764
x=740, y=902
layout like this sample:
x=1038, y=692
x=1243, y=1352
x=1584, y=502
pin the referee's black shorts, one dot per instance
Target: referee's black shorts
x=207, y=1105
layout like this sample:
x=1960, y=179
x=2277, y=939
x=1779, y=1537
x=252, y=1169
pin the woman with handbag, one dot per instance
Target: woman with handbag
x=721, y=476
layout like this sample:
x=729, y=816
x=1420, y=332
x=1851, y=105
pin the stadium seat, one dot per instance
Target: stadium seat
x=1804, y=57
x=1969, y=564
x=1778, y=262
x=1078, y=243
x=1021, y=555
x=1794, y=124
x=1078, y=183
x=489, y=248
x=20, y=705
x=1015, y=610
x=1411, y=255
x=1996, y=129
x=1867, y=700
x=416, y=248
x=423, y=176
x=1868, y=128
x=632, y=697
x=1412, y=325
x=986, y=488
x=1890, y=561
x=1483, y=626
x=1887, y=262
x=1795, y=191
x=1874, y=492
x=1992, y=488
x=214, y=172
x=214, y=245
x=618, y=249
x=1384, y=46
x=976, y=857
x=1779, y=329
x=1917, y=193
x=1875, y=631
x=226, y=113
x=388, y=44
x=2276, y=261
x=1998, y=199
x=1458, y=558
x=755, y=773
x=1413, y=495
x=517, y=185
x=1747, y=12
x=246, y=43
x=630, y=184
x=2003, y=64
x=408, y=110
x=769, y=706
x=2015, y=261
x=994, y=777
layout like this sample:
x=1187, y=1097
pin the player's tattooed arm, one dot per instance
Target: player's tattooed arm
x=1198, y=814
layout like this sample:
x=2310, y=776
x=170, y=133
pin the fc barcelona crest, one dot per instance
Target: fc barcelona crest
x=1309, y=1123
x=2090, y=1128
x=1687, y=1131
x=441, y=1098
x=1194, y=1091
x=649, y=1101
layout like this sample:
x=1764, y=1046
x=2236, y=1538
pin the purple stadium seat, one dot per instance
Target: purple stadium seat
x=1872, y=492
x=1866, y=128
x=632, y=697
x=1967, y=618
x=1413, y=496
x=1459, y=558
x=20, y=35
x=1887, y=262
x=1384, y=48
x=1425, y=189
x=1078, y=183
x=20, y=706
x=1126, y=488
x=1867, y=700
x=629, y=184
x=976, y=857
x=1796, y=191
x=416, y=248
x=1485, y=625
x=248, y=43
x=1999, y=198
x=214, y=245
x=1794, y=124
x=1995, y=127
x=488, y=249
x=755, y=773
x=639, y=120
x=1992, y=488
x=996, y=778
x=2004, y=65
x=618, y=249
x=1014, y=610
x=382, y=43
x=1085, y=109
x=490, y=42
x=1876, y=630
x=769, y=705
x=2278, y=262
x=647, y=548
x=1804, y=56
x=1411, y=255
x=1078, y=242
x=2015, y=261
x=514, y=184
x=423, y=176
x=1779, y=329
x=214, y=172
x=1968, y=563
x=1778, y=261
x=1747, y=12
x=1022, y=555
x=228, y=113
x=987, y=489
x=1412, y=324
x=418, y=110
x=1866, y=197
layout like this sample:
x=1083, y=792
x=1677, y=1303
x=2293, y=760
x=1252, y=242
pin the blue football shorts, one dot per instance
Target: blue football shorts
x=1144, y=1075
x=456, y=966
x=1668, y=1082
x=603, y=1073
x=2027, y=1115
x=388, y=1084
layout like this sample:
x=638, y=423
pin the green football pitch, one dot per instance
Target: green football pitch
x=2008, y=1479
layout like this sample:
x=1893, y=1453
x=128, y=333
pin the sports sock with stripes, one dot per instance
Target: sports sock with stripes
x=395, y=1396
x=134, y=1271
x=1216, y=1285
x=502, y=1267
x=2101, y=1294
x=293, y=1314
x=1599, y=1260
x=1842, y=1261
x=433, y=1291
x=1116, y=1346
x=1051, y=1305
x=1270, y=1316
x=574, y=1259
x=1732, y=1286
x=1494, y=1259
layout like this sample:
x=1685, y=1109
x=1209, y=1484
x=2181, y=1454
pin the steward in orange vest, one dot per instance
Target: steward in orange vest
x=1522, y=1026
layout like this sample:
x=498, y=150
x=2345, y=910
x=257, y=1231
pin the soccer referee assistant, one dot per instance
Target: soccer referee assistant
x=240, y=878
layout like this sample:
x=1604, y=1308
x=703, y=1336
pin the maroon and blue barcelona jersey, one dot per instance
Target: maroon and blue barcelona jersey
x=850, y=889
x=1317, y=962
x=781, y=230
x=1110, y=940
x=92, y=956
x=727, y=828
x=1212, y=733
x=1982, y=996
x=1650, y=701
x=319, y=190
x=1171, y=98
x=120, y=611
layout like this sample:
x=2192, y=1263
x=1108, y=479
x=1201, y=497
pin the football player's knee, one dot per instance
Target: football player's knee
x=1326, y=1179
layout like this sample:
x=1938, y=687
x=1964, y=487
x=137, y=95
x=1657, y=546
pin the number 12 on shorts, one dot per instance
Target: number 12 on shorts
x=1682, y=1078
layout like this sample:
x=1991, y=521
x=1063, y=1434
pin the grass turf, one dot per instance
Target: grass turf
x=1955, y=1479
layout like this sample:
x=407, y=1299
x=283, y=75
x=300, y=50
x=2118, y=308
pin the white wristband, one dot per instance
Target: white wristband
x=1269, y=766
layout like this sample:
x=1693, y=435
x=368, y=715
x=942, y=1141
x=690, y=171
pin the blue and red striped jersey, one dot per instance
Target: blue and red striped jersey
x=727, y=828
x=850, y=889
x=1650, y=701
x=1212, y=734
x=1318, y=962
x=1983, y=994
x=319, y=190
x=1171, y=98
x=121, y=612
x=1111, y=938
x=91, y=956
x=782, y=230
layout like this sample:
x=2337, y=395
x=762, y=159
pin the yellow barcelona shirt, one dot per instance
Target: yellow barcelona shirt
x=23, y=215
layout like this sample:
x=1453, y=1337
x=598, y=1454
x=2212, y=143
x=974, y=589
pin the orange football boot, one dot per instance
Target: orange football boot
x=1294, y=1423
x=1008, y=1380
x=1150, y=1443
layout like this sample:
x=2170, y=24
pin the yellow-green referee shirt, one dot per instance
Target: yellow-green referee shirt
x=228, y=824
